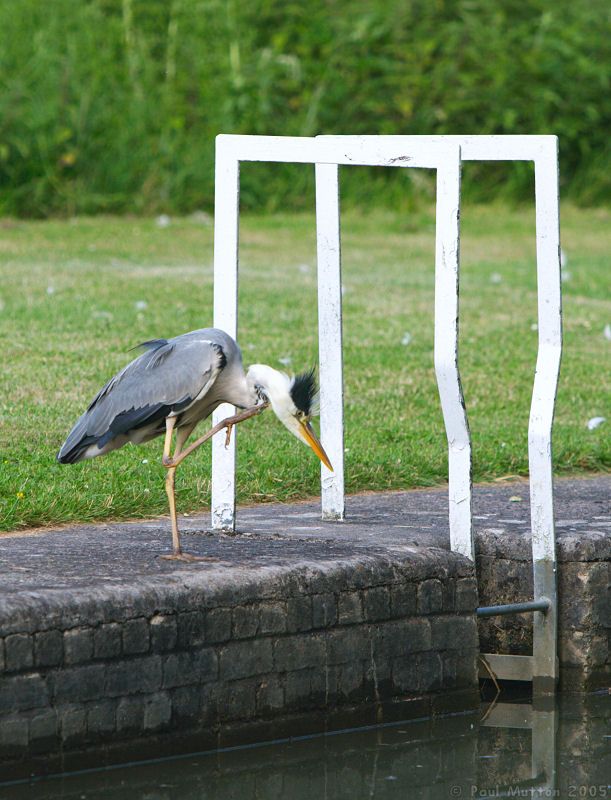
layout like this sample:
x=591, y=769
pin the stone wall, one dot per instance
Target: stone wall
x=221, y=652
x=504, y=566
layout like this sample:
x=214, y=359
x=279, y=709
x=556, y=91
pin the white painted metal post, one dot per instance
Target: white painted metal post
x=330, y=338
x=543, y=749
x=542, y=412
x=226, y=231
x=447, y=258
x=548, y=357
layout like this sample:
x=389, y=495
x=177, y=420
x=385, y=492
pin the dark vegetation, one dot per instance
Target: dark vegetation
x=113, y=105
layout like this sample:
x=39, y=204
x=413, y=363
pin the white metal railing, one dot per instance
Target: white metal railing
x=327, y=153
x=444, y=154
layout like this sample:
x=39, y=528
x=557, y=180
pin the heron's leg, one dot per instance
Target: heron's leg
x=169, y=490
x=170, y=422
x=169, y=483
x=228, y=423
x=182, y=434
x=170, y=464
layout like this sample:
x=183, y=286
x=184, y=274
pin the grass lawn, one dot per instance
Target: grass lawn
x=75, y=295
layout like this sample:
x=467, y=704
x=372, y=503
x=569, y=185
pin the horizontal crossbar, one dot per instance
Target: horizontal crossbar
x=509, y=715
x=514, y=608
x=506, y=667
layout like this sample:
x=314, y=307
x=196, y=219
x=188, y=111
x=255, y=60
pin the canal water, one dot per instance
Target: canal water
x=510, y=749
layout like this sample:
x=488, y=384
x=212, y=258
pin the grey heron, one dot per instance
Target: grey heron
x=176, y=383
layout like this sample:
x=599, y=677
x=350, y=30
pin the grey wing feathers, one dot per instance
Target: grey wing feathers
x=165, y=379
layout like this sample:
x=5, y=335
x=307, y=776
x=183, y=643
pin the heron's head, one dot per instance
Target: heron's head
x=293, y=401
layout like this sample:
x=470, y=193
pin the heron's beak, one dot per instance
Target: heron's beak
x=308, y=435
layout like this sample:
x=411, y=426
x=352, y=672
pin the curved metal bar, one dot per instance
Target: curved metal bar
x=542, y=408
x=447, y=260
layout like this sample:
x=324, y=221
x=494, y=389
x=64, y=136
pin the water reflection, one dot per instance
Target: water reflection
x=508, y=751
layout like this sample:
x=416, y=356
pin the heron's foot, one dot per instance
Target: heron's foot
x=187, y=557
x=228, y=435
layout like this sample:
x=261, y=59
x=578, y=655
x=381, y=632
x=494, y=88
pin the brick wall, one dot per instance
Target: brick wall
x=235, y=647
x=504, y=568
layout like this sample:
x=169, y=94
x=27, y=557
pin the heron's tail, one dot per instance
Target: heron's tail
x=110, y=434
x=78, y=444
x=74, y=450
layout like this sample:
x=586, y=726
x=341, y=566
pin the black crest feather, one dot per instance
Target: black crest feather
x=304, y=391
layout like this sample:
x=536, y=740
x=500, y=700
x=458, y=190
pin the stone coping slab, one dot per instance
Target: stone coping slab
x=281, y=535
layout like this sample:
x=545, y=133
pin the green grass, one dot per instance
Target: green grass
x=68, y=296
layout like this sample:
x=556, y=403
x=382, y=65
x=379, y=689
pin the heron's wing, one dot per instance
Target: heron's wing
x=166, y=379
